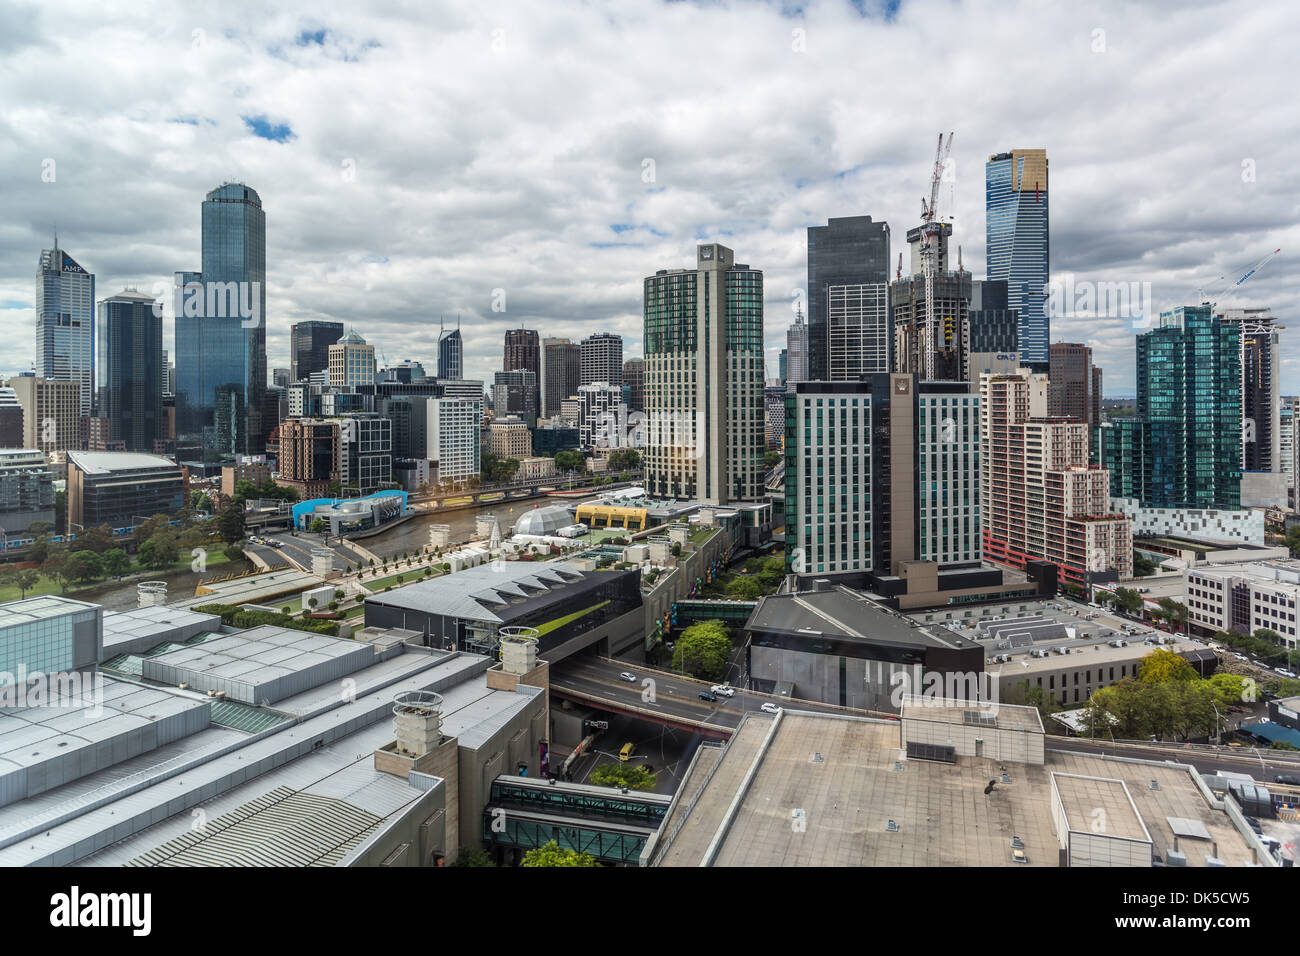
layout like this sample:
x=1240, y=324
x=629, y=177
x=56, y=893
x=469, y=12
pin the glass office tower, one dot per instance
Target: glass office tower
x=309, y=347
x=129, y=373
x=1183, y=448
x=221, y=328
x=849, y=251
x=1016, y=243
x=65, y=323
x=451, y=354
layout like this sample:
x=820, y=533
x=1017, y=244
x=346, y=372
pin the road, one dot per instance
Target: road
x=299, y=547
x=671, y=695
x=1204, y=758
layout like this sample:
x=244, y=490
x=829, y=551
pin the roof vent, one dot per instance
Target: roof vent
x=891, y=826
x=1154, y=785
x=1017, y=843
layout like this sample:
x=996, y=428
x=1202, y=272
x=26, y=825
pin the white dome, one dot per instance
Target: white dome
x=544, y=521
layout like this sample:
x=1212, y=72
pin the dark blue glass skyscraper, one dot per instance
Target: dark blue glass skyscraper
x=221, y=328
x=129, y=369
x=850, y=251
x=1016, y=249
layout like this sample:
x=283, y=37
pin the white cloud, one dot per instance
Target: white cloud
x=497, y=149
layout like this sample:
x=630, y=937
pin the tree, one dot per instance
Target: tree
x=570, y=461
x=473, y=856
x=1163, y=665
x=318, y=526
x=771, y=459
x=55, y=567
x=84, y=566
x=1293, y=540
x=26, y=580
x=233, y=551
x=158, y=552
x=1173, y=612
x=623, y=775
x=703, y=650
x=550, y=854
x=98, y=539
x=1129, y=600
x=148, y=528
x=230, y=522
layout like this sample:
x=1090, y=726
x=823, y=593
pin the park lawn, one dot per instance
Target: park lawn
x=352, y=612
x=48, y=585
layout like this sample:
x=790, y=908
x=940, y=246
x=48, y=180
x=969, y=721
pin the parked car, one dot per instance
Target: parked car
x=769, y=707
x=630, y=678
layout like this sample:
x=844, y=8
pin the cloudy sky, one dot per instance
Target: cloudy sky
x=413, y=158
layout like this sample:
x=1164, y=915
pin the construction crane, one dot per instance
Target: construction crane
x=1212, y=300
x=931, y=233
x=930, y=209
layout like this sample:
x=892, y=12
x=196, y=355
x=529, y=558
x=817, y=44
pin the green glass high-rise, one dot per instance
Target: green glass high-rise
x=1183, y=448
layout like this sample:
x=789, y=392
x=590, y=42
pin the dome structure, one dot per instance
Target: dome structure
x=544, y=521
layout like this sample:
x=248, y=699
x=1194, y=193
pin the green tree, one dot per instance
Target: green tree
x=570, y=461
x=84, y=566
x=550, y=854
x=624, y=775
x=319, y=526
x=473, y=856
x=158, y=552
x=771, y=459
x=26, y=580
x=116, y=562
x=1293, y=540
x=1129, y=600
x=55, y=567
x=230, y=522
x=703, y=650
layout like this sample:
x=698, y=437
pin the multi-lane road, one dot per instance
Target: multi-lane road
x=665, y=695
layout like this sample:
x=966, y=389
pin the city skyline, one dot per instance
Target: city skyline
x=1211, y=208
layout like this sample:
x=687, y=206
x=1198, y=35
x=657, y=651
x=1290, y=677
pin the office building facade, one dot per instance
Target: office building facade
x=351, y=362
x=847, y=251
x=129, y=372
x=796, y=349
x=602, y=359
x=65, y=324
x=121, y=489
x=26, y=491
x=221, y=327
x=561, y=373
x=704, y=380
x=1074, y=384
x=858, y=326
x=451, y=353
x=309, y=347
x=51, y=412
x=634, y=379
x=1016, y=242
x=1182, y=450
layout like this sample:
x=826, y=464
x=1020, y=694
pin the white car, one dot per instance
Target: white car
x=769, y=707
x=1241, y=657
x=630, y=678
x=722, y=690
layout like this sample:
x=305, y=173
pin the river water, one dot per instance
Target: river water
x=414, y=534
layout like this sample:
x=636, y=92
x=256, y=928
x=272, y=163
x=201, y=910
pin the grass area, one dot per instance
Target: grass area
x=549, y=626
x=352, y=612
x=48, y=585
x=700, y=535
x=408, y=577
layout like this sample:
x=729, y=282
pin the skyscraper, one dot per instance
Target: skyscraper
x=602, y=359
x=881, y=472
x=704, y=380
x=561, y=373
x=129, y=370
x=1016, y=241
x=848, y=251
x=523, y=351
x=857, y=321
x=634, y=378
x=309, y=347
x=65, y=323
x=221, y=327
x=1183, y=447
x=1074, y=385
x=451, y=353
x=1039, y=498
x=796, y=349
x=352, y=361
x=1260, y=393
x=930, y=313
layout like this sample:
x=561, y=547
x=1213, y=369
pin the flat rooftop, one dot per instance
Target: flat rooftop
x=109, y=462
x=42, y=608
x=807, y=789
x=984, y=713
x=1099, y=805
